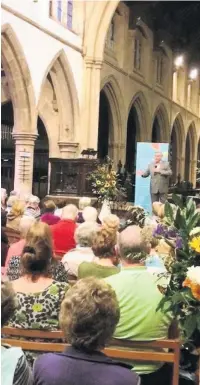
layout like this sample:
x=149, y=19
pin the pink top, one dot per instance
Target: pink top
x=15, y=250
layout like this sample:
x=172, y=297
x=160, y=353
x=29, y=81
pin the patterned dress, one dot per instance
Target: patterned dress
x=57, y=270
x=39, y=310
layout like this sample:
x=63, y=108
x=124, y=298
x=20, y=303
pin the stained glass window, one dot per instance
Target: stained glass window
x=69, y=13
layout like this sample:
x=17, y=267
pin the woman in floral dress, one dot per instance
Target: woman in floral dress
x=39, y=296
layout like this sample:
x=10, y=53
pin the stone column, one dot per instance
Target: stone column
x=24, y=157
x=193, y=167
x=91, y=100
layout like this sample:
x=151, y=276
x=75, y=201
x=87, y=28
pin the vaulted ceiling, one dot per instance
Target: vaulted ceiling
x=175, y=22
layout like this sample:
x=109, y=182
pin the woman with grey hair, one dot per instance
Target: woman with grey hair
x=84, y=235
x=89, y=315
x=14, y=367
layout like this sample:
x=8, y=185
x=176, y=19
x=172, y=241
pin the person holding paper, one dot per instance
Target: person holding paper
x=160, y=172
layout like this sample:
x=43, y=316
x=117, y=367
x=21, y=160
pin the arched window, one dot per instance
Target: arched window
x=159, y=69
x=110, y=38
x=59, y=10
x=137, y=53
x=69, y=13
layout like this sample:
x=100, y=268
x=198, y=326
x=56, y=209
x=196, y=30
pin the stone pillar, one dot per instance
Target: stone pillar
x=91, y=100
x=24, y=157
x=193, y=167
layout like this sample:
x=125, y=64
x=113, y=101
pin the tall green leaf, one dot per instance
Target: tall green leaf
x=193, y=222
x=180, y=222
x=169, y=213
x=178, y=201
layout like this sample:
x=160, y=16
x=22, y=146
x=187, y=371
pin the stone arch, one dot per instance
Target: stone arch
x=19, y=82
x=161, y=120
x=64, y=106
x=137, y=128
x=114, y=95
x=97, y=27
x=177, y=147
x=140, y=104
x=191, y=154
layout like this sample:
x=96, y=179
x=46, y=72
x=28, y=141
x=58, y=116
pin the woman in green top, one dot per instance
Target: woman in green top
x=103, y=247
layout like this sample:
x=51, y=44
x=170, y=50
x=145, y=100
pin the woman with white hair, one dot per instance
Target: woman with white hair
x=32, y=208
x=83, y=203
x=84, y=235
x=90, y=214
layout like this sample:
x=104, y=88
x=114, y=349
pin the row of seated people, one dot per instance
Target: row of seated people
x=119, y=259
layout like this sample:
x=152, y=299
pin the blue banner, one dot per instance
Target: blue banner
x=145, y=156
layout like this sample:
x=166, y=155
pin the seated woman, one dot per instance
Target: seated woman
x=35, y=232
x=83, y=202
x=48, y=215
x=89, y=315
x=39, y=295
x=103, y=247
x=14, y=367
x=15, y=215
x=153, y=262
x=83, y=236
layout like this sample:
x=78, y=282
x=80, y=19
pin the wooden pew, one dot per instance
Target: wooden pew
x=118, y=349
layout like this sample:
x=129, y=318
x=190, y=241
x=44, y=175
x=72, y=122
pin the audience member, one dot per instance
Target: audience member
x=90, y=214
x=3, y=198
x=63, y=231
x=3, y=218
x=84, y=235
x=4, y=250
x=60, y=204
x=89, y=314
x=158, y=209
x=48, y=215
x=103, y=247
x=10, y=202
x=15, y=215
x=154, y=262
x=83, y=202
x=14, y=367
x=17, y=247
x=35, y=233
x=138, y=298
x=39, y=296
x=32, y=207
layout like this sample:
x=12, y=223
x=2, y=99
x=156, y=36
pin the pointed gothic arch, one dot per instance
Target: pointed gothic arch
x=160, y=125
x=191, y=154
x=64, y=104
x=177, y=147
x=19, y=82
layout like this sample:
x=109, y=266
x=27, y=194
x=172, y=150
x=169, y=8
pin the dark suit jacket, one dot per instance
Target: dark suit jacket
x=80, y=368
x=159, y=181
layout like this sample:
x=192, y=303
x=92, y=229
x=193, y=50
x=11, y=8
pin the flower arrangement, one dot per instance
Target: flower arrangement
x=104, y=181
x=182, y=293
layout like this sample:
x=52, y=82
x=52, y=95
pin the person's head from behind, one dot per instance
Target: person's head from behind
x=90, y=214
x=25, y=224
x=111, y=222
x=49, y=206
x=158, y=209
x=34, y=202
x=8, y=302
x=103, y=243
x=11, y=200
x=158, y=156
x=85, y=233
x=84, y=202
x=37, y=253
x=69, y=212
x=89, y=314
x=3, y=196
x=147, y=234
x=133, y=248
x=18, y=208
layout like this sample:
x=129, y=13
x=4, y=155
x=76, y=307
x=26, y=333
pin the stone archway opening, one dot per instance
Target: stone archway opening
x=104, y=130
x=133, y=129
x=160, y=126
x=156, y=131
x=7, y=147
x=41, y=161
x=191, y=155
x=176, y=148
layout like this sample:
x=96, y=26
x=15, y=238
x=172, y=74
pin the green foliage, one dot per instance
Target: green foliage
x=178, y=299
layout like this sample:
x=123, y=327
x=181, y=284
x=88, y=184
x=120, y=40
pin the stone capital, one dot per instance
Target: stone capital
x=89, y=61
x=98, y=64
x=24, y=136
x=68, y=149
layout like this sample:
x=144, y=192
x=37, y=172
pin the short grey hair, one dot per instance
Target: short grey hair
x=85, y=233
x=69, y=212
x=84, y=202
x=90, y=214
x=133, y=247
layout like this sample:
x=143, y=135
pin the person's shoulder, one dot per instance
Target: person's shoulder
x=124, y=376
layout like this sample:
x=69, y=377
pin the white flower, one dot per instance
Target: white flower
x=193, y=274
